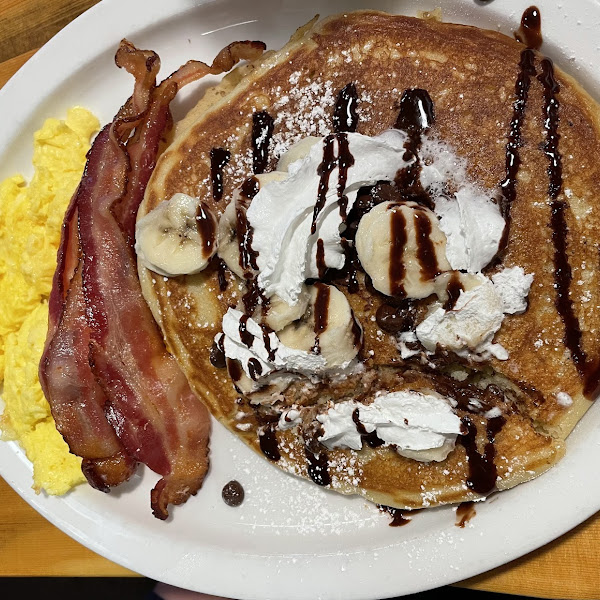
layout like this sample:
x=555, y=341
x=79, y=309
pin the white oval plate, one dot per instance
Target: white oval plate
x=289, y=539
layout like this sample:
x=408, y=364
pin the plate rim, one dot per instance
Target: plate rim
x=58, y=45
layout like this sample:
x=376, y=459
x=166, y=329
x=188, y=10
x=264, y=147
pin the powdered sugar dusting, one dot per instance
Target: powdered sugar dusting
x=329, y=513
x=313, y=102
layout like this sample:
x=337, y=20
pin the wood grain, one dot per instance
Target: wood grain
x=28, y=24
x=567, y=568
x=32, y=546
x=11, y=66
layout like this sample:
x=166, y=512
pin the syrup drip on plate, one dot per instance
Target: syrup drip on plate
x=465, y=511
x=262, y=131
x=400, y=517
x=530, y=31
x=219, y=158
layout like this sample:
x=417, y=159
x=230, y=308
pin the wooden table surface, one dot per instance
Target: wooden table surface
x=30, y=546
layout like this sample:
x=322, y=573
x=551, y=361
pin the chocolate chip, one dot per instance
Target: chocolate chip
x=233, y=493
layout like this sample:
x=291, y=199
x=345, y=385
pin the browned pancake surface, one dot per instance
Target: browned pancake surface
x=470, y=74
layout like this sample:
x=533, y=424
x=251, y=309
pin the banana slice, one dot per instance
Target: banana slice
x=227, y=237
x=402, y=249
x=328, y=327
x=178, y=237
x=227, y=242
x=262, y=390
x=279, y=313
x=297, y=152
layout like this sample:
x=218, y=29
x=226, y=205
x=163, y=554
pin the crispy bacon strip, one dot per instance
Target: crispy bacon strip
x=76, y=400
x=87, y=432
x=127, y=372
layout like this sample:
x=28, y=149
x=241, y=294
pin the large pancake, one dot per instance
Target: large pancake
x=470, y=74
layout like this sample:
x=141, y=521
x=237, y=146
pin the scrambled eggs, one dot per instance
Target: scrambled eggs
x=30, y=226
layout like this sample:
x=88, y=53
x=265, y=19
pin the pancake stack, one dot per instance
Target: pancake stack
x=518, y=127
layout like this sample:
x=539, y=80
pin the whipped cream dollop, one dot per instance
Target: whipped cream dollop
x=468, y=329
x=470, y=218
x=261, y=352
x=281, y=214
x=473, y=226
x=420, y=426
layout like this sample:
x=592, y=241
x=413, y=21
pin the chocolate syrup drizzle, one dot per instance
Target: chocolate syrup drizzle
x=588, y=370
x=268, y=442
x=254, y=296
x=245, y=336
x=255, y=369
x=482, y=469
x=217, y=353
x=395, y=316
x=318, y=465
x=244, y=232
x=343, y=161
x=321, y=265
x=416, y=116
x=371, y=439
x=367, y=197
x=262, y=131
x=425, y=248
x=207, y=228
x=399, y=239
x=243, y=228
x=266, y=331
x=234, y=368
x=345, y=115
x=508, y=186
x=453, y=289
x=321, y=313
x=222, y=274
x=219, y=158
